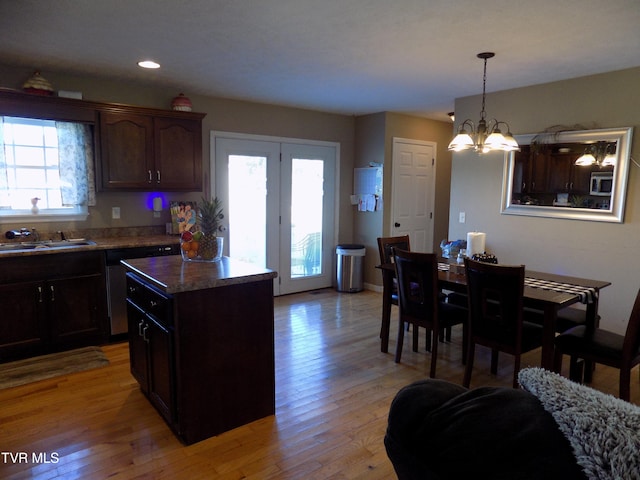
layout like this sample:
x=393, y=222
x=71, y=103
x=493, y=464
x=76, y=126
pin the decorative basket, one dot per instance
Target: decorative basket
x=484, y=257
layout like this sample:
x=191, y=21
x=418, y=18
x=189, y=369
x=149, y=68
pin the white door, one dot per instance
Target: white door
x=413, y=192
x=279, y=200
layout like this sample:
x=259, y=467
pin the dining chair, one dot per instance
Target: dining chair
x=420, y=302
x=385, y=250
x=567, y=318
x=496, y=321
x=596, y=345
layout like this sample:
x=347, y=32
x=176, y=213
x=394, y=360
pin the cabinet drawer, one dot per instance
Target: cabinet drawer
x=153, y=302
x=49, y=267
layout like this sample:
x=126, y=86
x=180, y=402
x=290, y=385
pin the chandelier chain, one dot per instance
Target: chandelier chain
x=484, y=84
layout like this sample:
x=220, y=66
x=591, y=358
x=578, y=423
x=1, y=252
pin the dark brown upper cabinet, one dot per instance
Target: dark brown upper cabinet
x=137, y=148
x=150, y=152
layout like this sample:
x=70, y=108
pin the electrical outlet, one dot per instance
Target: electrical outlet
x=462, y=217
x=115, y=213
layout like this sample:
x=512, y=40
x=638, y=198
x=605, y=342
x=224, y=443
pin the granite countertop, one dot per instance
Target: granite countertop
x=171, y=275
x=100, y=243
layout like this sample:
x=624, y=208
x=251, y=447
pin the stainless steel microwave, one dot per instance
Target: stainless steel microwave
x=601, y=183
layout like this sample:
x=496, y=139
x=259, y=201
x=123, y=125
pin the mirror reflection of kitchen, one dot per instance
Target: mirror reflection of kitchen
x=574, y=175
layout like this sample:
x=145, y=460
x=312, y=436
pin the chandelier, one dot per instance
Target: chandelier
x=602, y=154
x=487, y=136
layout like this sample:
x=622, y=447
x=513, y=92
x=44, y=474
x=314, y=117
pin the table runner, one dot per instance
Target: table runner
x=586, y=294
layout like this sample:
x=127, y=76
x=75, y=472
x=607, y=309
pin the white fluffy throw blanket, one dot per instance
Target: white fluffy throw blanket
x=603, y=431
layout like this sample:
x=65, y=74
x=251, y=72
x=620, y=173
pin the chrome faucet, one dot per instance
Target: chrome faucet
x=23, y=232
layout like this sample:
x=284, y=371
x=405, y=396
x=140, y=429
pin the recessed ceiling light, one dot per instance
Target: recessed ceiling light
x=148, y=64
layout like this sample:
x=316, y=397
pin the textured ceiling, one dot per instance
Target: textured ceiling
x=344, y=56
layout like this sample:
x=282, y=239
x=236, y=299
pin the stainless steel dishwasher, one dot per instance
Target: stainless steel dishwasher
x=116, y=280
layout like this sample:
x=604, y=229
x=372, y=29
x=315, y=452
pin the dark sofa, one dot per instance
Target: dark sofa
x=551, y=428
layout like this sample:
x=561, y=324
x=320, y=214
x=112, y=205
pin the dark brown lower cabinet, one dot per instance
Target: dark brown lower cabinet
x=22, y=330
x=151, y=354
x=52, y=303
x=73, y=307
x=204, y=358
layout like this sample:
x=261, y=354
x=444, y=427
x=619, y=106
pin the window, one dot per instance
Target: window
x=46, y=169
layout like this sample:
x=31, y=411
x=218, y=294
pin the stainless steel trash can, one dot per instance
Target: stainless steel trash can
x=350, y=271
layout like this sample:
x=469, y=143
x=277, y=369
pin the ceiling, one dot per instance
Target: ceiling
x=343, y=56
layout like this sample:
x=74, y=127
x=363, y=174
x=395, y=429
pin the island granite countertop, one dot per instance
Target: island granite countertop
x=172, y=275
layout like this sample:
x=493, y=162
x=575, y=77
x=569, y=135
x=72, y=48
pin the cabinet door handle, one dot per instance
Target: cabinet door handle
x=153, y=303
x=39, y=294
x=158, y=175
x=149, y=171
x=144, y=333
x=140, y=327
x=53, y=293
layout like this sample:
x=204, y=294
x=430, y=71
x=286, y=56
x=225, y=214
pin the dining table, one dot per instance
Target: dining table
x=547, y=292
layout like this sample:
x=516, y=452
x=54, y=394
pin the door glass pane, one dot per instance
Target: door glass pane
x=306, y=217
x=247, y=208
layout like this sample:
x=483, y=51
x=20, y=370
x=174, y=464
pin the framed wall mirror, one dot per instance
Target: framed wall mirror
x=575, y=175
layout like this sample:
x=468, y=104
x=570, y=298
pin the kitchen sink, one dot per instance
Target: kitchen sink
x=66, y=243
x=49, y=244
x=5, y=247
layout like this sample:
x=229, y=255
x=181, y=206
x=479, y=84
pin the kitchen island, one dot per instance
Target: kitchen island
x=201, y=342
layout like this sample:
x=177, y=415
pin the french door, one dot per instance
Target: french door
x=279, y=200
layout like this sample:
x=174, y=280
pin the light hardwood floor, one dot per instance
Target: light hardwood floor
x=333, y=390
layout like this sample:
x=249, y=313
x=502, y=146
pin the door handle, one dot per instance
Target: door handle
x=144, y=333
x=396, y=224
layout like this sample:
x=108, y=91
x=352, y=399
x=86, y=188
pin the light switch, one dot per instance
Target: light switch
x=115, y=213
x=462, y=217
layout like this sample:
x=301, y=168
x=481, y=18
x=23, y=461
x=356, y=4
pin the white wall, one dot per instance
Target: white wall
x=595, y=250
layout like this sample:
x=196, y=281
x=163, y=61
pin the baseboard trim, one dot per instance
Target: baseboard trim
x=372, y=287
